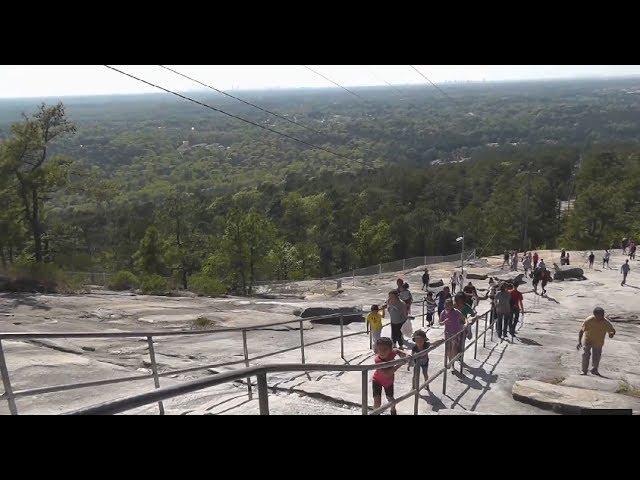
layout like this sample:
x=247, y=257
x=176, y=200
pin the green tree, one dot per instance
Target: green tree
x=149, y=257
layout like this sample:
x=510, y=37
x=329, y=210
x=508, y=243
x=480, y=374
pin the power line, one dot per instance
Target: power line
x=234, y=116
x=434, y=85
x=335, y=83
x=241, y=100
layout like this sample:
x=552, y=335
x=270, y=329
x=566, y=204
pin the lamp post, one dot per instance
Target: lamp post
x=461, y=239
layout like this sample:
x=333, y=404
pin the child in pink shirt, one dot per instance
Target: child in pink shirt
x=383, y=378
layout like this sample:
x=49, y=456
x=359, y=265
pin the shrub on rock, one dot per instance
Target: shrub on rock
x=123, y=280
x=153, y=285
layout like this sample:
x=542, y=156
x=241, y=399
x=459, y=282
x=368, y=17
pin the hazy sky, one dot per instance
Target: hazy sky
x=63, y=80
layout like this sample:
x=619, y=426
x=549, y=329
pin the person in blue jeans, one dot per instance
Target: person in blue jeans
x=503, y=311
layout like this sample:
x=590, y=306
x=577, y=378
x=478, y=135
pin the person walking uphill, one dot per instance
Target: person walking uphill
x=503, y=311
x=624, y=269
x=398, y=314
x=594, y=330
x=453, y=322
x=516, y=308
x=374, y=323
x=425, y=279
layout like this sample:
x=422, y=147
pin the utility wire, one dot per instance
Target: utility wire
x=234, y=116
x=335, y=83
x=241, y=100
x=434, y=85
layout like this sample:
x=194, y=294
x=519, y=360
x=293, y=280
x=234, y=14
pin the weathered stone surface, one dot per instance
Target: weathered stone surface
x=570, y=400
x=476, y=276
x=517, y=280
x=350, y=315
x=567, y=272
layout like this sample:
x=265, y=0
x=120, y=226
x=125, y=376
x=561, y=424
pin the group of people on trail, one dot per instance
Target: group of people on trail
x=455, y=313
x=630, y=246
x=510, y=259
x=506, y=306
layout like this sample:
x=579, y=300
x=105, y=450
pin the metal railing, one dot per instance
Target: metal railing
x=10, y=395
x=260, y=372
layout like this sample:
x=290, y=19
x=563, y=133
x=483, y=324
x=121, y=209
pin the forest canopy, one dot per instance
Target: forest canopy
x=159, y=187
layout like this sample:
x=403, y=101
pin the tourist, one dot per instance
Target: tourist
x=563, y=257
x=632, y=250
x=517, y=307
x=605, y=258
x=623, y=245
x=442, y=297
x=425, y=279
x=594, y=330
x=453, y=324
x=503, y=311
x=567, y=262
x=535, y=259
x=400, y=284
x=491, y=295
x=383, y=378
x=460, y=302
x=454, y=281
x=374, y=323
x=398, y=315
x=546, y=278
x=514, y=261
x=526, y=264
x=406, y=297
x=536, y=277
x=471, y=293
x=505, y=259
x=625, y=271
x=431, y=306
x=592, y=258
x=542, y=265
x=420, y=344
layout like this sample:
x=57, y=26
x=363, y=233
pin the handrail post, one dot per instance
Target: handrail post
x=365, y=393
x=475, y=345
x=484, y=335
x=379, y=268
x=302, y=347
x=491, y=325
x=154, y=370
x=462, y=343
x=416, y=386
x=342, y=337
x=263, y=393
x=423, y=301
x=370, y=339
x=403, y=264
x=444, y=374
x=8, y=391
x=246, y=361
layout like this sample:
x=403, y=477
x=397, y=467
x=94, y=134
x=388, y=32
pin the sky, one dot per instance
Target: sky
x=69, y=80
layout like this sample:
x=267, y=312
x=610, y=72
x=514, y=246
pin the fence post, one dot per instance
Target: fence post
x=263, y=394
x=491, y=325
x=403, y=263
x=484, y=336
x=342, y=336
x=462, y=343
x=444, y=374
x=370, y=339
x=154, y=369
x=365, y=393
x=8, y=391
x=353, y=275
x=416, y=386
x=246, y=361
x=423, y=301
x=475, y=346
x=302, y=347
x=425, y=259
x=379, y=268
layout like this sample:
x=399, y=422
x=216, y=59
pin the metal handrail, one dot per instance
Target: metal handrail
x=260, y=372
x=10, y=395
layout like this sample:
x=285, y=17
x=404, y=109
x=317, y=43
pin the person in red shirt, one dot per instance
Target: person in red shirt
x=516, y=307
x=535, y=260
x=383, y=378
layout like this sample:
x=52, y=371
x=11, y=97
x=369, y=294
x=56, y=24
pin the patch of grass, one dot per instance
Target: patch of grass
x=625, y=389
x=202, y=323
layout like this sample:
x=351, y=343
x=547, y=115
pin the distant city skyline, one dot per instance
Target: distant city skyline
x=78, y=80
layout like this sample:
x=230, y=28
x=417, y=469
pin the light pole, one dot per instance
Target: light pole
x=461, y=239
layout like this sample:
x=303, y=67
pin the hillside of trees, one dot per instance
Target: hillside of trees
x=158, y=186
